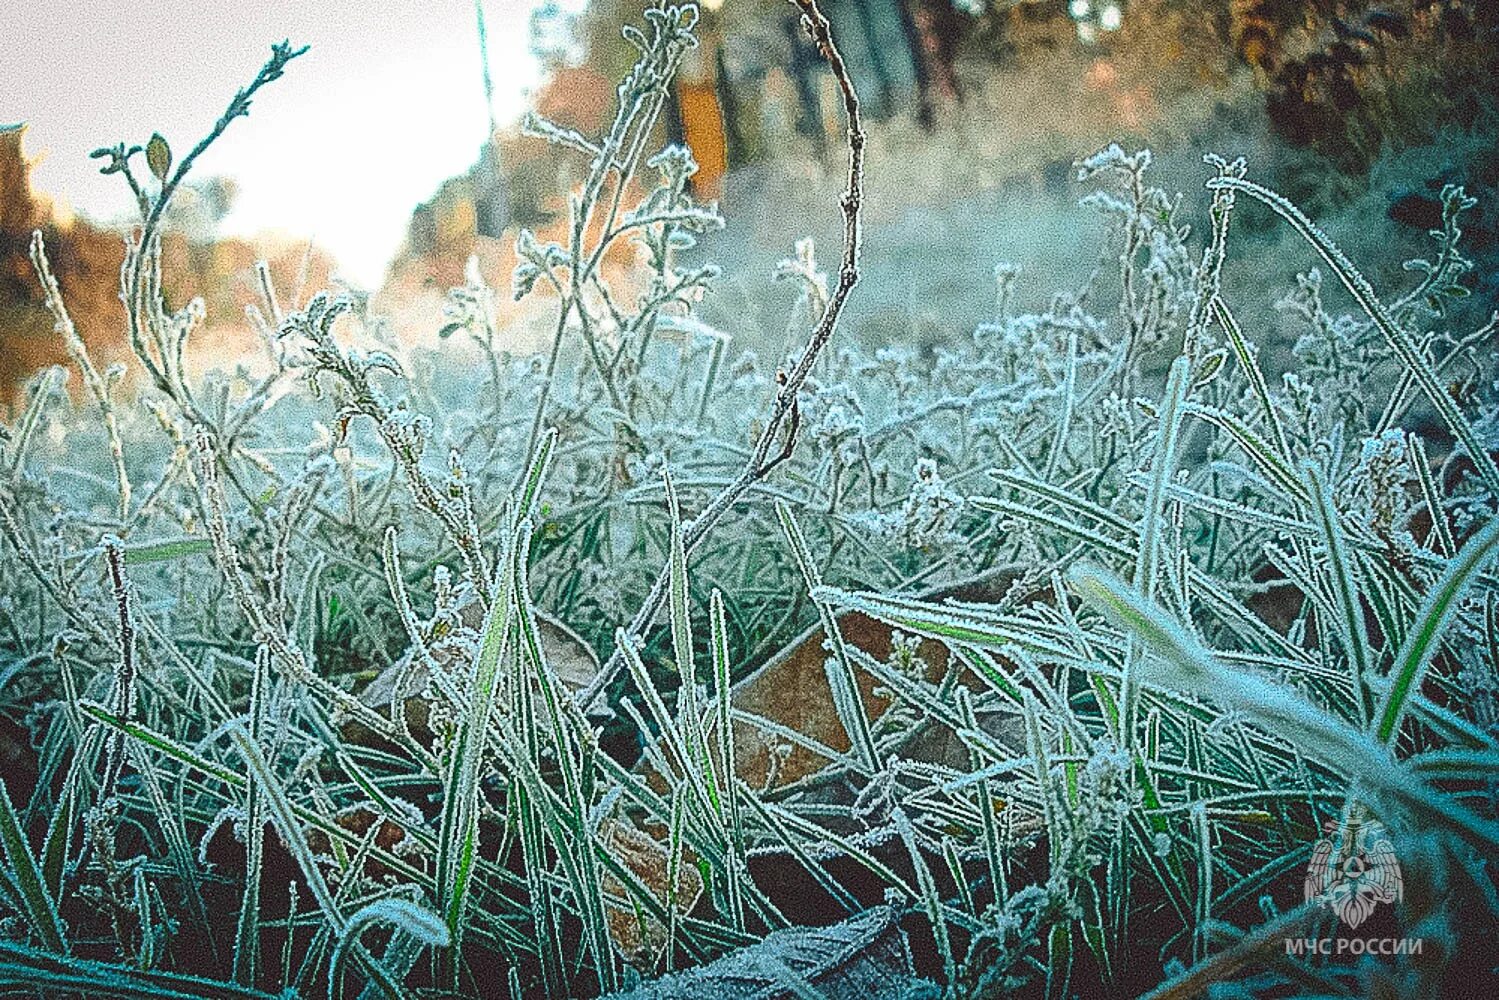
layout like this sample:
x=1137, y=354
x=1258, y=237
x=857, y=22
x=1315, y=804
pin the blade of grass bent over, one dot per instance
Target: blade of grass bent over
x=407, y=917
x=1182, y=663
x=1396, y=335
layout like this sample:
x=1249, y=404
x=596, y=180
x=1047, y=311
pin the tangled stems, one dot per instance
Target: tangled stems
x=785, y=419
x=148, y=326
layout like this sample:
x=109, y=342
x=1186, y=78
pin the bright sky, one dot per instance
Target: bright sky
x=386, y=105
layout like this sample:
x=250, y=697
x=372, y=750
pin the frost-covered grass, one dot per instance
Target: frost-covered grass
x=1217, y=611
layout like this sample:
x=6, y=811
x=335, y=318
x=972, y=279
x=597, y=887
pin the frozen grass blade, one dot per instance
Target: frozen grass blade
x=1162, y=471
x=170, y=822
x=1249, y=364
x=929, y=895
x=97, y=386
x=36, y=902
x=407, y=918
x=58, y=846
x=536, y=474
x=1051, y=808
x=1345, y=583
x=567, y=816
x=27, y=972
x=247, y=928
x=839, y=668
x=987, y=806
x=1414, y=655
x=1271, y=464
x=957, y=624
x=1095, y=540
x=1069, y=400
x=43, y=387
x=1395, y=335
x=1204, y=913
x=1067, y=499
x=458, y=839
x=666, y=725
x=1441, y=530
x=689, y=716
x=723, y=694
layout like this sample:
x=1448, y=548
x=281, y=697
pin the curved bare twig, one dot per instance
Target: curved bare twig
x=785, y=420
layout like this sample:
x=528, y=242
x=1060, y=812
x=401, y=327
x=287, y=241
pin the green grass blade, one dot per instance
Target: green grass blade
x=27, y=972
x=929, y=896
x=458, y=839
x=536, y=475
x=723, y=694
x=1341, y=569
x=680, y=613
x=165, y=551
x=1250, y=365
x=1422, y=639
x=1183, y=664
x=840, y=672
x=39, y=906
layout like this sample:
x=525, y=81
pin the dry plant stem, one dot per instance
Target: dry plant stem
x=96, y=384
x=583, y=266
x=456, y=518
x=11, y=531
x=270, y=629
x=141, y=274
x=785, y=419
x=263, y=394
x=125, y=667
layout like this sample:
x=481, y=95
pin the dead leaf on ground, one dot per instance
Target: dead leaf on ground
x=792, y=689
x=642, y=938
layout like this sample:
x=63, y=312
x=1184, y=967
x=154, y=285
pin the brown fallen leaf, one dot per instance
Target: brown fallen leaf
x=792, y=689
x=642, y=938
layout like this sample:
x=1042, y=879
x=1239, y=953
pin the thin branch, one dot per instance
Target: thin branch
x=140, y=273
x=98, y=385
x=781, y=431
x=125, y=664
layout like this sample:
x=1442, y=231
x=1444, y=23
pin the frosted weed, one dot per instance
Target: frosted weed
x=1122, y=643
